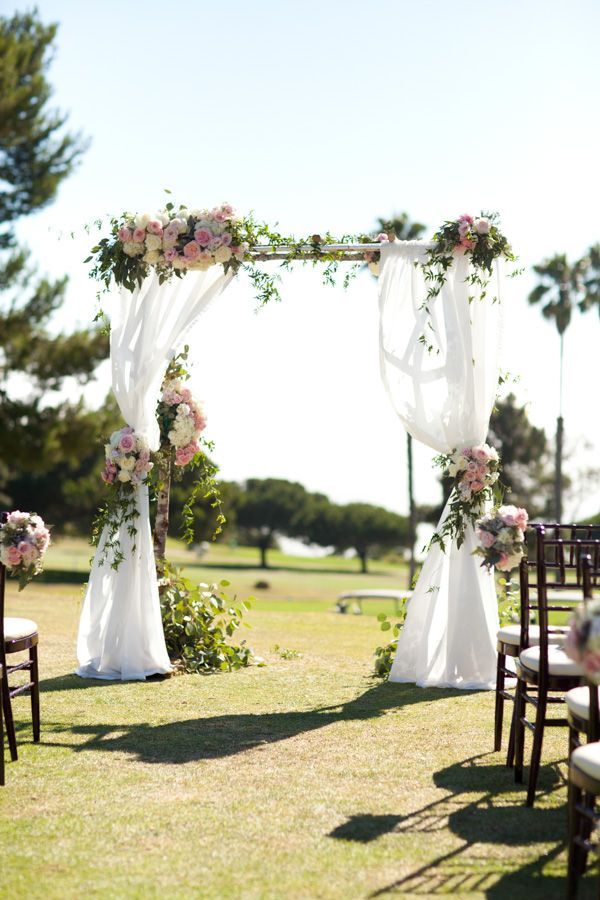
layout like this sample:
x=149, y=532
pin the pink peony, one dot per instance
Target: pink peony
x=170, y=254
x=154, y=227
x=191, y=250
x=466, y=218
x=139, y=234
x=125, y=234
x=14, y=557
x=204, y=236
x=127, y=443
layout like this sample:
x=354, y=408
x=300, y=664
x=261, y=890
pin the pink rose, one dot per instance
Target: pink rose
x=466, y=244
x=170, y=254
x=466, y=218
x=226, y=239
x=154, y=227
x=139, y=234
x=125, y=234
x=186, y=395
x=502, y=562
x=204, y=236
x=227, y=210
x=191, y=250
x=170, y=234
x=14, y=557
x=127, y=443
x=521, y=518
x=480, y=454
x=216, y=242
x=218, y=215
x=487, y=539
x=482, y=226
x=477, y=486
x=23, y=547
x=382, y=238
x=463, y=229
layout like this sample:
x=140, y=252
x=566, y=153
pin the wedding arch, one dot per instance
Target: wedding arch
x=439, y=313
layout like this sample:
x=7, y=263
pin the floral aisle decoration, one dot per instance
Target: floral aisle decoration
x=501, y=537
x=583, y=640
x=182, y=420
x=24, y=539
x=475, y=474
x=127, y=464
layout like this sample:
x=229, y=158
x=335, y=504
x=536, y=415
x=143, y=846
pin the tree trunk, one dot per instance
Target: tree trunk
x=363, y=556
x=412, y=513
x=263, y=556
x=161, y=523
x=559, y=442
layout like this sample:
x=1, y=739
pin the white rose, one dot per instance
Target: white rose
x=133, y=248
x=142, y=220
x=153, y=242
x=4, y=556
x=151, y=257
x=452, y=470
x=124, y=476
x=461, y=462
x=505, y=536
x=179, y=263
x=127, y=463
x=223, y=254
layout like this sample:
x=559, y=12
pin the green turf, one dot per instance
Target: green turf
x=304, y=778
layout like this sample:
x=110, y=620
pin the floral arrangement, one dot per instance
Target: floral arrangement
x=501, y=536
x=583, y=641
x=127, y=458
x=181, y=419
x=372, y=257
x=24, y=540
x=475, y=471
x=478, y=237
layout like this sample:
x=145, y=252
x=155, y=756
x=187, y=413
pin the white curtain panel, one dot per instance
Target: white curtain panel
x=120, y=630
x=444, y=399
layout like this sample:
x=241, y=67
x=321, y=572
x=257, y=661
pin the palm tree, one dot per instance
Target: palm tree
x=562, y=288
x=405, y=230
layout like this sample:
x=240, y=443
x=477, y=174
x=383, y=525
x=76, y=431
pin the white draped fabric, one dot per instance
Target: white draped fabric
x=120, y=630
x=444, y=399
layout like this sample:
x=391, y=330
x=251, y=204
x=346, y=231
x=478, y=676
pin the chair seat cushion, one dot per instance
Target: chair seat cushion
x=587, y=759
x=17, y=629
x=558, y=661
x=511, y=634
x=578, y=701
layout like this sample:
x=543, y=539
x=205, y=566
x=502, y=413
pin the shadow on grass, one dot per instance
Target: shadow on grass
x=62, y=576
x=491, y=819
x=227, y=735
x=310, y=570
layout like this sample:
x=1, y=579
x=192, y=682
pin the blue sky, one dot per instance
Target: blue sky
x=323, y=116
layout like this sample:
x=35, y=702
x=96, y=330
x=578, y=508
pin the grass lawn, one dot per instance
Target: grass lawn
x=305, y=778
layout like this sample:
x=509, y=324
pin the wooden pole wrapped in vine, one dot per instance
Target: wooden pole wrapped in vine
x=161, y=522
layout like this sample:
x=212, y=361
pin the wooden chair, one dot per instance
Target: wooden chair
x=512, y=639
x=1, y=732
x=16, y=636
x=544, y=671
x=578, y=699
x=584, y=765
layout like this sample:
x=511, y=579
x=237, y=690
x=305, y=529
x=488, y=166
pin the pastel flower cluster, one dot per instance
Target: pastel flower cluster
x=583, y=640
x=182, y=420
x=127, y=458
x=501, y=536
x=470, y=229
x=24, y=540
x=474, y=469
x=183, y=239
x=372, y=257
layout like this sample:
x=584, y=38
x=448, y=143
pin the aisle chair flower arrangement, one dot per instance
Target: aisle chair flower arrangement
x=24, y=540
x=583, y=640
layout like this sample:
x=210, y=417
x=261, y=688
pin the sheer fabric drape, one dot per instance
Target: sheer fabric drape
x=120, y=630
x=444, y=398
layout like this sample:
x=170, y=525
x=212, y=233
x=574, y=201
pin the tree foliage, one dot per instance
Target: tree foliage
x=268, y=507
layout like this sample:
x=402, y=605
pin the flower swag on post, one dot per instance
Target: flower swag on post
x=127, y=465
x=475, y=473
x=24, y=540
x=501, y=536
x=479, y=238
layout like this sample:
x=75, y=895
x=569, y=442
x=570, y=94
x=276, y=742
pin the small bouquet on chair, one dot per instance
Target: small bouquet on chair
x=583, y=641
x=501, y=537
x=24, y=540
